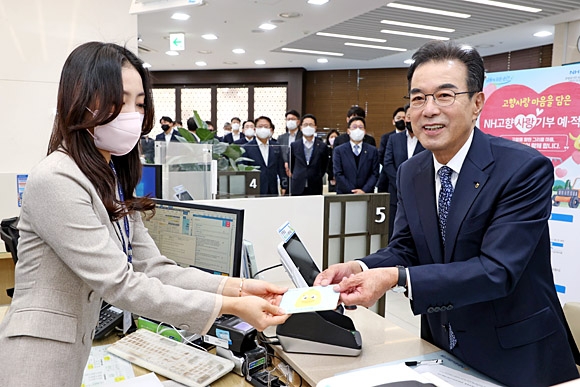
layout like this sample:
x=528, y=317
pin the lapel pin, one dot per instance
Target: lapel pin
x=476, y=185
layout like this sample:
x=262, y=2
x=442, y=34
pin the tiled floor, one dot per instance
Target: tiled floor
x=399, y=312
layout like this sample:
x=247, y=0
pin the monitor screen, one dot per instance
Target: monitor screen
x=206, y=237
x=150, y=183
x=301, y=259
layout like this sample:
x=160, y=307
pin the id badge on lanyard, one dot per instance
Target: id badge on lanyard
x=127, y=249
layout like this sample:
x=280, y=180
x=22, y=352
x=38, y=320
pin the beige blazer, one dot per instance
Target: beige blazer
x=70, y=258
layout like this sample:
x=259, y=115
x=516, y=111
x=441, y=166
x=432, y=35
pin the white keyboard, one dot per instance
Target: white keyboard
x=172, y=359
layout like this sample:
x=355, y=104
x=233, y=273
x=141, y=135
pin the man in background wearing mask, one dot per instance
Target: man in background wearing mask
x=249, y=132
x=354, y=111
x=399, y=124
x=234, y=134
x=356, y=164
x=400, y=147
x=268, y=156
x=292, y=134
x=308, y=160
x=168, y=134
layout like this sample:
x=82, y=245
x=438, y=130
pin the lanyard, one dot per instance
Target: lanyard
x=127, y=249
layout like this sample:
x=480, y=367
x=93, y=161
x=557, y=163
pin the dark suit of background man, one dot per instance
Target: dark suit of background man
x=400, y=147
x=354, y=111
x=272, y=168
x=292, y=134
x=308, y=160
x=399, y=124
x=482, y=278
x=168, y=133
x=356, y=164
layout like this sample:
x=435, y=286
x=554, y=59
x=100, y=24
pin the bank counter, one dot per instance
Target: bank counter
x=382, y=341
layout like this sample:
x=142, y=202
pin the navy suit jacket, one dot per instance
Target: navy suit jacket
x=229, y=138
x=493, y=281
x=161, y=136
x=311, y=172
x=395, y=155
x=383, y=183
x=270, y=173
x=346, y=173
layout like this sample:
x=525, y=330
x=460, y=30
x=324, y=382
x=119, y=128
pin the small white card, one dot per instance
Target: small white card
x=300, y=300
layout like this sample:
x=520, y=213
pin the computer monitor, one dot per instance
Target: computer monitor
x=206, y=237
x=150, y=183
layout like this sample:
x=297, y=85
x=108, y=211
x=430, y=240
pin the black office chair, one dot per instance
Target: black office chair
x=10, y=234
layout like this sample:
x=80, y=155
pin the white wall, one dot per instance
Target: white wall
x=263, y=216
x=565, y=49
x=37, y=36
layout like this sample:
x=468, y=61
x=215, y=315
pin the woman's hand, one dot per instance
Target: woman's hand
x=236, y=287
x=256, y=311
x=267, y=291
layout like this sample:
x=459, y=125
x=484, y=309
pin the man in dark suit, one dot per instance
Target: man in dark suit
x=471, y=238
x=168, y=134
x=236, y=132
x=292, y=134
x=268, y=156
x=399, y=124
x=308, y=160
x=355, y=164
x=400, y=148
x=354, y=111
x=249, y=132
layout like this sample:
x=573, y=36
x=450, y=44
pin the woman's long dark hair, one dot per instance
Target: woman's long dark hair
x=92, y=79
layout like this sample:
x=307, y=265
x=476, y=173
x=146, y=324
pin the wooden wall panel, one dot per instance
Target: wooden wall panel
x=329, y=95
x=529, y=58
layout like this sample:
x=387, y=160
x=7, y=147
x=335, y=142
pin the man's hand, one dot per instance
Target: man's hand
x=367, y=287
x=357, y=191
x=335, y=273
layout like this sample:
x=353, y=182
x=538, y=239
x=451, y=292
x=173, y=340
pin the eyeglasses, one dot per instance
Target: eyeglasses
x=441, y=98
x=356, y=127
x=263, y=127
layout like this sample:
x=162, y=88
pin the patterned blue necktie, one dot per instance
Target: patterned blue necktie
x=445, y=195
x=444, y=203
x=356, y=150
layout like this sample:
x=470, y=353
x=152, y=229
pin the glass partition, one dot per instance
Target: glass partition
x=186, y=170
x=260, y=171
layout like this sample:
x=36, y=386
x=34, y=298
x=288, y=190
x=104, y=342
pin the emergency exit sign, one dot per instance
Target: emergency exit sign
x=177, y=42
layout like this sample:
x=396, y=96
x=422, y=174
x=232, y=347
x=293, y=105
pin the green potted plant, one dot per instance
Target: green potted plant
x=229, y=156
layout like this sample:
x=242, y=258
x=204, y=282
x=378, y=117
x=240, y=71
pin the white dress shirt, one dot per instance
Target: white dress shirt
x=264, y=149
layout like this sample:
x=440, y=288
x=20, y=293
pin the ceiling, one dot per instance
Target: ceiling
x=492, y=30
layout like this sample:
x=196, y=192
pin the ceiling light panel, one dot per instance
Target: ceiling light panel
x=414, y=35
x=429, y=10
x=267, y=26
x=374, y=46
x=315, y=52
x=351, y=37
x=419, y=26
x=209, y=36
x=506, y=5
x=180, y=16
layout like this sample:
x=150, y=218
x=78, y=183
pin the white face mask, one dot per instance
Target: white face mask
x=356, y=134
x=235, y=127
x=120, y=135
x=250, y=132
x=308, y=131
x=331, y=140
x=291, y=124
x=263, y=132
